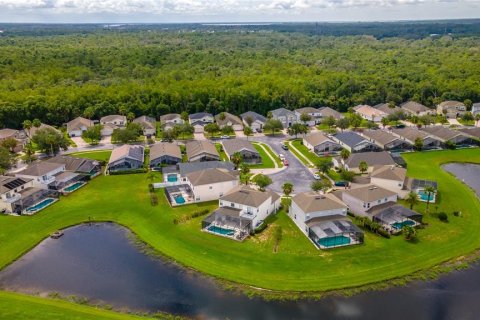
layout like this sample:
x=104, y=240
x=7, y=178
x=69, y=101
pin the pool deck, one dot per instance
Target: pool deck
x=234, y=237
x=64, y=191
x=29, y=213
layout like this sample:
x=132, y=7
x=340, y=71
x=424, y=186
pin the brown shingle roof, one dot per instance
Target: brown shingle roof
x=249, y=197
x=229, y=119
x=371, y=158
x=39, y=169
x=369, y=193
x=316, y=138
x=77, y=123
x=380, y=136
x=235, y=145
x=165, y=149
x=127, y=151
x=443, y=133
x=197, y=147
x=389, y=173
x=313, y=202
x=210, y=176
x=414, y=107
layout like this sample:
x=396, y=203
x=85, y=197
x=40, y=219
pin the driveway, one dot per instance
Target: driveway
x=199, y=136
x=79, y=142
x=296, y=172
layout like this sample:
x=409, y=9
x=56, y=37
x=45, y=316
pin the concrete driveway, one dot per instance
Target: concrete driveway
x=79, y=142
x=296, y=173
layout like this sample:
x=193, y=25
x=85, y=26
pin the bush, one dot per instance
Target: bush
x=442, y=216
x=457, y=213
x=262, y=227
x=151, y=188
x=131, y=171
x=372, y=226
x=153, y=199
x=186, y=218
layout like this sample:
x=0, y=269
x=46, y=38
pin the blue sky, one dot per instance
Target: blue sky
x=167, y=11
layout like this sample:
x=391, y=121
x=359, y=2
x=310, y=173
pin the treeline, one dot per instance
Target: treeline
x=57, y=78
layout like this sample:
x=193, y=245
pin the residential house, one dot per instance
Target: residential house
x=241, y=211
x=372, y=159
x=416, y=109
x=258, y=121
x=361, y=200
x=112, y=122
x=43, y=173
x=411, y=134
x=18, y=135
x=315, y=115
x=386, y=140
x=323, y=219
x=329, y=112
x=77, y=126
x=249, y=154
x=452, y=109
x=369, y=113
x=447, y=135
x=126, y=157
x=353, y=142
x=286, y=117
x=148, y=124
x=177, y=173
x=473, y=132
x=18, y=195
x=211, y=184
x=33, y=130
x=162, y=153
x=390, y=177
x=199, y=120
x=82, y=166
x=201, y=150
x=320, y=143
x=476, y=109
x=227, y=119
x=173, y=118
x=387, y=108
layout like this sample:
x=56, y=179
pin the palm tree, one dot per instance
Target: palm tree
x=344, y=154
x=430, y=191
x=236, y=159
x=27, y=124
x=287, y=188
x=363, y=166
x=412, y=199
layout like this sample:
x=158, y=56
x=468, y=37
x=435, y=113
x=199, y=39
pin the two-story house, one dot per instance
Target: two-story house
x=361, y=200
x=285, y=116
x=451, y=109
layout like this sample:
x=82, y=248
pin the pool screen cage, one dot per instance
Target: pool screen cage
x=396, y=213
x=228, y=218
x=418, y=184
x=335, y=231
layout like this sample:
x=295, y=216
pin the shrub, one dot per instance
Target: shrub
x=153, y=199
x=151, y=188
x=131, y=171
x=457, y=213
x=262, y=227
x=442, y=216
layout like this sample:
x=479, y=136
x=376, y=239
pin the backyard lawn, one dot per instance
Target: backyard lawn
x=298, y=144
x=267, y=162
x=125, y=199
x=103, y=155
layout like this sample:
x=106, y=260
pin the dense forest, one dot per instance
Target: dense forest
x=56, y=77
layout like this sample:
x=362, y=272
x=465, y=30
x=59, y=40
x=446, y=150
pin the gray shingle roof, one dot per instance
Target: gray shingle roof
x=210, y=176
x=40, y=168
x=146, y=122
x=161, y=149
x=382, y=158
x=327, y=112
x=235, y=145
x=127, y=151
x=282, y=112
x=380, y=136
x=313, y=202
x=443, y=133
x=369, y=193
x=349, y=138
x=255, y=116
x=10, y=183
x=199, y=115
x=249, y=197
x=113, y=117
x=316, y=138
x=75, y=164
x=414, y=107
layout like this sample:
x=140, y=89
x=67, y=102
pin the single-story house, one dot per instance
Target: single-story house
x=417, y=109
x=393, y=216
x=445, y=135
x=178, y=172
x=201, y=150
x=320, y=143
x=199, y=120
x=77, y=126
x=173, y=118
x=369, y=113
x=257, y=120
x=323, y=219
x=18, y=135
x=227, y=119
x=410, y=134
x=372, y=159
x=245, y=148
x=78, y=165
x=286, y=117
x=315, y=115
x=451, y=109
x=126, y=157
x=362, y=199
x=148, y=124
x=164, y=153
x=240, y=212
x=390, y=177
x=211, y=184
x=353, y=142
x=473, y=132
x=386, y=140
x=33, y=130
x=329, y=112
x=386, y=108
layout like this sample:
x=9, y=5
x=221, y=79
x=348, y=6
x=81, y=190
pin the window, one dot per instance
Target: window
x=232, y=204
x=210, y=187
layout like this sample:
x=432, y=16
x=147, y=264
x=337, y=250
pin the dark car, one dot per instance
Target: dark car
x=340, y=184
x=284, y=147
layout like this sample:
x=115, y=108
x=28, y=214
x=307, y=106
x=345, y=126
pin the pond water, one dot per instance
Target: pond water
x=101, y=262
x=467, y=172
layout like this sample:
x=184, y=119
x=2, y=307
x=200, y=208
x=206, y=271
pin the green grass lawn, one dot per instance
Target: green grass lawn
x=103, y=155
x=221, y=152
x=314, y=158
x=272, y=154
x=297, y=266
x=267, y=162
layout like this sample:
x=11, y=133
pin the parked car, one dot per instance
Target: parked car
x=225, y=137
x=281, y=156
x=284, y=146
x=340, y=184
x=316, y=176
x=285, y=162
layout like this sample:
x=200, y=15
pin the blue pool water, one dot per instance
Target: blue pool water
x=40, y=205
x=424, y=196
x=179, y=199
x=74, y=187
x=334, y=241
x=172, y=178
x=222, y=231
x=399, y=225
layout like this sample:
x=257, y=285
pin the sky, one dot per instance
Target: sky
x=174, y=11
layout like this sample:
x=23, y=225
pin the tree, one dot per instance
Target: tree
x=412, y=199
x=329, y=121
x=287, y=188
x=409, y=232
x=211, y=128
x=247, y=131
x=429, y=190
x=27, y=125
x=135, y=128
x=245, y=174
x=36, y=123
x=296, y=129
x=221, y=116
x=344, y=154
x=50, y=141
x=9, y=144
x=5, y=160
x=262, y=181
x=129, y=134
x=228, y=130
x=249, y=120
x=89, y=112
x=363, y=166
x=94, y=134
x=286, y=203
x=320, y=185
x=477, y=118
x=371, y=125
x=184, y=116
x=343, y=123
x=305, y=117
x=29, y=153
x=130, y=116
x=324, y=165
x=355, y=120
x=385, y=121
x=169, y=135
x=347, y=175
x=273, y=125
x=183, y=129
x=236, y=159
x=418, y=145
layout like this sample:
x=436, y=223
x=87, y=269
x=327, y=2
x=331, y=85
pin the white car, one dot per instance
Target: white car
x=316, y=176
x=281, y=156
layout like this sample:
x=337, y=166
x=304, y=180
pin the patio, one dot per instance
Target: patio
x=179, y=195
x=332, y=232
x=228, y=222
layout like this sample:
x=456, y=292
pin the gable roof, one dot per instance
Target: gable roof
x=369, y=111
x=8, y=133
x=255, y=116
x=199, y=115
x=40, y=168
x=235, y=145
x=33, y=130
x=450, y=104
x=327, y=112
x=113, y=117
x=385, y=107
x=282, y=112
x=371, y=158
x=169, y=116
x=75, y=164
x=349, y=138
x=389, y=173
x=317, y=138
x=78, y=123
x=197, y=147
x=127, y=151
x=249, y=197
x=188, y=167
x=307, y=110
x=414, y=107
x=369, y=193
x=380, y=136
x=161, y=149
x=314, y=202
x=210, y=176
x=146, y=122
x=9, y=183
x=410, y=133
x=474, y=132
x=229, y=118
x=443, y=133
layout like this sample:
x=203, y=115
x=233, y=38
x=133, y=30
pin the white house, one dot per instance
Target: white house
x=211, y=184
x=285, y=116
x=320, y=144
x=390, y=177
x=77, y=126
x=451, y=109
x=360, y=200
x=257, y=120
x=476, y=109
x=369, y=113
x=315, y=115
x=323, y=219
x=112, y=122
x=43, y=173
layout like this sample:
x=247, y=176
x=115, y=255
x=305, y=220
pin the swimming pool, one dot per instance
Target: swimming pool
x=400, y=225
x=39, y=206
x=334, y=241
x=172, y=178
x=74, y=186
x=222, y=231
x=179, y=199
x=423, y=196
